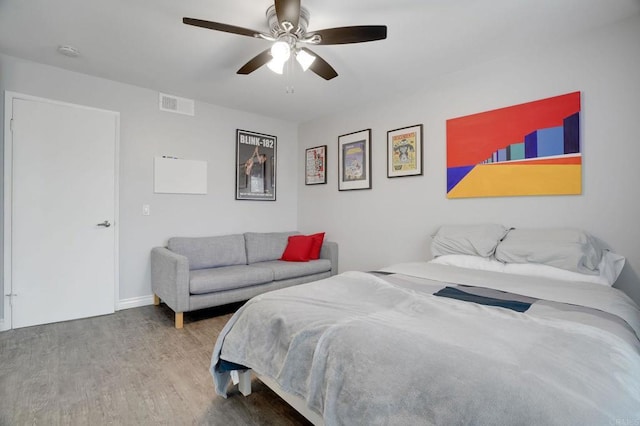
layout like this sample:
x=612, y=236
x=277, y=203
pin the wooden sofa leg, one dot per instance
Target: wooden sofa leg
x=156, y=300
x=179, y=319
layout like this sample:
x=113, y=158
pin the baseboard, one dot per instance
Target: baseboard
x=134, y=302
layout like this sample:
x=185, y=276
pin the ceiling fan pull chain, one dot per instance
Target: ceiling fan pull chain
x=290, y=69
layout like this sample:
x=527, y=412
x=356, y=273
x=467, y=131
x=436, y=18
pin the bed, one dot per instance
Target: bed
x=448, y=341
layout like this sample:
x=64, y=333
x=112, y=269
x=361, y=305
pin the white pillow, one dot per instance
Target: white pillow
x=608, y=271
x=609, y=268
x=475, y=240
x=565, y=248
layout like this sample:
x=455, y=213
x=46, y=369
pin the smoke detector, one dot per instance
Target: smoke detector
x=69, y=51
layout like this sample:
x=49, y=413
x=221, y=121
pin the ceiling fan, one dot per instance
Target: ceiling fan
x=288, y=21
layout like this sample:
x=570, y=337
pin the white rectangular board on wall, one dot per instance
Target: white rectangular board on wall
x=177, y=176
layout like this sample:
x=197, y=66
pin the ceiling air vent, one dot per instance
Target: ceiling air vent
x=175, y=104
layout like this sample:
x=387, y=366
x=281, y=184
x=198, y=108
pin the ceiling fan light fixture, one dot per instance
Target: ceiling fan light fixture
x=276, y=65
x=281, y=51
x=304, y=59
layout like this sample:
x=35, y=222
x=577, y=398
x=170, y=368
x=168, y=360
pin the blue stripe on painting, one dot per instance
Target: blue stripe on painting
x=572, y=134
x=550, y=141
x=531, y=145
x=517, y=151
x=456, y=174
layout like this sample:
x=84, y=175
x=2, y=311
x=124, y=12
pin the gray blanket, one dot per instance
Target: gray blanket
x=387, y=349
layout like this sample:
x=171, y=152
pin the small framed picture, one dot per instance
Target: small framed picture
x=354, y=160
x=255, y=166
x=315, y=165
x=404, y=151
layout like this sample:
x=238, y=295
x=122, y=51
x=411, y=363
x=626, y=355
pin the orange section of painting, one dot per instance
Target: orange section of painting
x=577, y=159
x=502, y=180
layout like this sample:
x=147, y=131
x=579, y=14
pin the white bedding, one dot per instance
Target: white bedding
x=581, y=293
x=383, y=349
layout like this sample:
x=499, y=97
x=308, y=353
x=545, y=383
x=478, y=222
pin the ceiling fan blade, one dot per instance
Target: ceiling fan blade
x=288, y=11
x=255, y=63
x=220, y=27
x=346, y=35
x=320, y=66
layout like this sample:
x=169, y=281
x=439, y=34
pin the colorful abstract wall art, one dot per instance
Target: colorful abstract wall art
x=527, y=149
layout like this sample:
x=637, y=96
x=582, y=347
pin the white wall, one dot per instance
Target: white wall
x=392, y=221
x=147, y=132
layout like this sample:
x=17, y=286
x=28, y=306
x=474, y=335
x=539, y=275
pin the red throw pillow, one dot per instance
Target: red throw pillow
x=298, y=248
x=316, y=246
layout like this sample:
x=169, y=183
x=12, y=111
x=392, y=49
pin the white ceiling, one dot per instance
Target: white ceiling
x=145, y=43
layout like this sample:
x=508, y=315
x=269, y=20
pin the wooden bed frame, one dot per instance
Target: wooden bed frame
x=243, y=380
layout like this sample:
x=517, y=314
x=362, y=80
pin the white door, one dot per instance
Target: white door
x=63, y=211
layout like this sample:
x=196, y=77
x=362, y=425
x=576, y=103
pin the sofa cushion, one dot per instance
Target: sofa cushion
x=226, y=278
x=298, y=249
x=263, y=246
x=210, y=252
x=284, y=270
x=316, y=247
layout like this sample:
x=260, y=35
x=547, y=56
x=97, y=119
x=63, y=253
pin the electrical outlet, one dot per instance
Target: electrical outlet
x=146, y=210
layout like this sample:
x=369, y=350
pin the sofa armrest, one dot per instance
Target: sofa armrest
x=170, y=278
x=330, y=251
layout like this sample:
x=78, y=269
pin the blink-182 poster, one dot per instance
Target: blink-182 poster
x=255, y=166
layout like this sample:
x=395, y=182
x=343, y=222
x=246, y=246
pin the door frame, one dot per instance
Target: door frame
x=9, y=96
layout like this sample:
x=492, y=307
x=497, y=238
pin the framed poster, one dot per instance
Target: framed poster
x=404, y=151
x=354, y=160
x=315, y=166
x=255, y=166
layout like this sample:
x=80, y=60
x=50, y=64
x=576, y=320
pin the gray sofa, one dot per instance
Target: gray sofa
x=196, y=273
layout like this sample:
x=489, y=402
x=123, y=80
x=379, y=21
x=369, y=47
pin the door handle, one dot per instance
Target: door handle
x=106, y=224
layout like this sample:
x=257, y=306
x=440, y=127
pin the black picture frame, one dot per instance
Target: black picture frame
x=405, y=152
x=354, y=161
x=256, y=160
x=315, y=165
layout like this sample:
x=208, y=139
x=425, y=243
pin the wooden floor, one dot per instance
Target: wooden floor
x=129, y=368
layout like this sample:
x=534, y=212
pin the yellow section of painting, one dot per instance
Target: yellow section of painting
x=502, y=180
